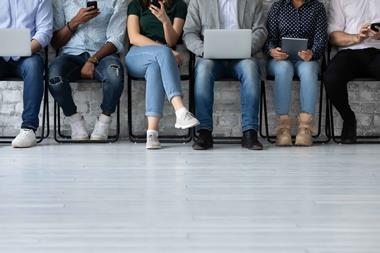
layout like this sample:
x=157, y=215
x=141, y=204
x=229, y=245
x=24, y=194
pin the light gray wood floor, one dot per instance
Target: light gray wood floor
x=120, y=198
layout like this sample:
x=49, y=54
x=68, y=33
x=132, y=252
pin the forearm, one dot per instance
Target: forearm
x=62, y=36
x=36, y=46
x=141, y=40
x=342, y=39
x=171, y=36
x=107, y=49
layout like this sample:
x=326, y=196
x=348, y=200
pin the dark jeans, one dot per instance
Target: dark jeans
x=346, y=66
x=67, y=68
x=31, y=70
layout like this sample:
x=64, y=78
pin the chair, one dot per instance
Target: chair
x=45, y=111
x=62, y=138
x=139, y=138
x=264, y=110
x=362, y=139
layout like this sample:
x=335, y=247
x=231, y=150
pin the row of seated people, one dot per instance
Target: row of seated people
x=89, y=40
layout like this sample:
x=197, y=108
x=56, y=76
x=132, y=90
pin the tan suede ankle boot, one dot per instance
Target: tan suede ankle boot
x=284, y=137
x=305, y=130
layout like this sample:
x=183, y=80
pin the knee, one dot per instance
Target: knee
x=283, y=69
x=249, y=70
x=309, y=69
x=56, y=85
x=204, y=69
x=33, y=65
x=164, y=52
x=114, y=76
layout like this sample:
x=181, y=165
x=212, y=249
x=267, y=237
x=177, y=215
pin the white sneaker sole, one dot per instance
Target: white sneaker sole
x=80, y=138
x=20, y=146
x=98, y=138
x=153, y=147
x=178, y=126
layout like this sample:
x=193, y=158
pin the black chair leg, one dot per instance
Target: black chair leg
x=62, y=138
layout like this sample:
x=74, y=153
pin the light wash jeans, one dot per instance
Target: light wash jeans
x=283, y=72
x=159, y=67
x=208, y=71
x=31, y=70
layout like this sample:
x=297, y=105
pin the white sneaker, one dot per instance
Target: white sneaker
x=185, y=119
x=25, y=139
x=152, y=141
x=101, y=129
x=78, y=127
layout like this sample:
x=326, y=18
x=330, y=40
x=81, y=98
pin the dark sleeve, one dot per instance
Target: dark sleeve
x=181, y=10
x=273, y=39
x=321, y=35
x=134, y=8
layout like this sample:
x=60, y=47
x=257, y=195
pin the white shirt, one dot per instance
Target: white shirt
x=349, y=16
x=228, y=14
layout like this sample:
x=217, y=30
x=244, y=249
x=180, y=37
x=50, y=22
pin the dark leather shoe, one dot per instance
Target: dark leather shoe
x=204, y=140
x=250, y=140
x=349, y=132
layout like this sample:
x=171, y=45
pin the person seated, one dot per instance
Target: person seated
x=153, y=30
x=37, y=16
x=304, y=19
x=225, y=14
x=359, y=54
x=89, y=40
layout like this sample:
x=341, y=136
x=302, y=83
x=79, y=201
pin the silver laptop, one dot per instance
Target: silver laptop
x=15, y=42
x=227, y=44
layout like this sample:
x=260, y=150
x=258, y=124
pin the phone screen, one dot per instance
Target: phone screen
x=155, y=3
x=92, y=3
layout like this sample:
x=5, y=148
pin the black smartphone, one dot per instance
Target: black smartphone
x=155, y=3
x=374, y=27
x=92, y=3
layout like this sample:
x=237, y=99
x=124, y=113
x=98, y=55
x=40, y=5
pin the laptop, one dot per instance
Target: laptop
x=292, y=46
x=15, y=42
x=227, y=44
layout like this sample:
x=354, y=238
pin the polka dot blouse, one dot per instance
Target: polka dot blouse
x=308, y=22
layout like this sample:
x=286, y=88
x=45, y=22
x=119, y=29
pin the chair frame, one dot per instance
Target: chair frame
x=62, y=138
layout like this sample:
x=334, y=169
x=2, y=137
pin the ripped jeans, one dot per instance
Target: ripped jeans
x=68, y=68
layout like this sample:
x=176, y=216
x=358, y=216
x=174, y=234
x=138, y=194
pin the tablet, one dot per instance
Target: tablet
x=292, y=46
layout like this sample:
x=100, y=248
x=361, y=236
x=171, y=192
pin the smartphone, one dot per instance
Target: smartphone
x=92, y=3
x=155, y=3
x=374, y=25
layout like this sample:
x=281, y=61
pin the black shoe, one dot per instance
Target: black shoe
x=349, y=132
x=204, y=140
x=250, y=140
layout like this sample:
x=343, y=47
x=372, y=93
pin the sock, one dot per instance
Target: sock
x=180, y=112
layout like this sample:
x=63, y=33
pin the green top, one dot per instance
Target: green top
x=150, y=26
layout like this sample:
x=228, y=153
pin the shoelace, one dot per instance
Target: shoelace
x=189, y=116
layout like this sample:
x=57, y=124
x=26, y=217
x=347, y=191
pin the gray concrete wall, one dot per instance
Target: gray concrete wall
x=364, y=97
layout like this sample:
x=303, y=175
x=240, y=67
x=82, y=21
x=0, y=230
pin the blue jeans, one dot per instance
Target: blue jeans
x=158, y=66
x=67, y=68
x=208, y=71
x=283, y=72
x=31, y=70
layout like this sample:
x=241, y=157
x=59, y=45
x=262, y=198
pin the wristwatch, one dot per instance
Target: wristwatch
x=93, y=59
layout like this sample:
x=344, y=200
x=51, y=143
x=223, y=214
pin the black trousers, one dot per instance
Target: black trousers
x=346, y=66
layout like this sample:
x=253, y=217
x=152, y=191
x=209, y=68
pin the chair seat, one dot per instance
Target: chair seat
x=295, y=78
